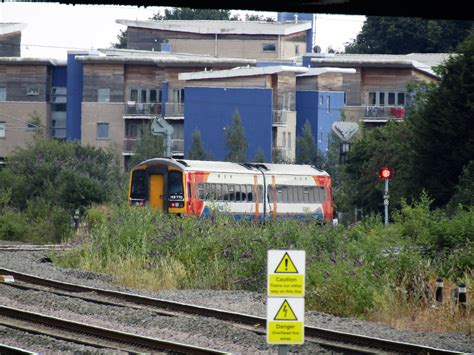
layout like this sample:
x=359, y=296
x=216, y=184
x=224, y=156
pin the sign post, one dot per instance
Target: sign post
x=386, y=174
x=285, y=301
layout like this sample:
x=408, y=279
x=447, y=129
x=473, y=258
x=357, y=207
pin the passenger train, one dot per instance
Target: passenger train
x=248, y=190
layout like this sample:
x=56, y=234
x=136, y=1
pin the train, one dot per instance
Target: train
x=257, y=191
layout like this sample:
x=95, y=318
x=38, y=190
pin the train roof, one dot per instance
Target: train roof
x=243, y=168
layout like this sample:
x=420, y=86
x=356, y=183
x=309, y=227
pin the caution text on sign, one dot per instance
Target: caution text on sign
x=285, y=320
x=286, y=269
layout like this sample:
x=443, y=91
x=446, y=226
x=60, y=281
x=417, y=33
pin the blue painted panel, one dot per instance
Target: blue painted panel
x=309, y=108
x=211, y=109
x=74, y=97
x=59, y=76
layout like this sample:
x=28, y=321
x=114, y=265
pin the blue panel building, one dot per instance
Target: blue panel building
x=211, y=109
x=74, y=96
x=321, y=109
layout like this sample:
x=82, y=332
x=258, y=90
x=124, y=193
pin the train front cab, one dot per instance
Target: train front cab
x=158, y=185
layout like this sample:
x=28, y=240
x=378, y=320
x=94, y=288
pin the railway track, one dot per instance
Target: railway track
x=85, y=334
x=34, y=247
x=335, y=340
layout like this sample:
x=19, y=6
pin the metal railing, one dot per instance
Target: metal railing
x=130, y=145
x=142, y=109
x=279, y=118
x=174, y=109
x=394, y=112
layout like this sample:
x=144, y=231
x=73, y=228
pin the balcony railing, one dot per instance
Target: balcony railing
x=142, y=109
x=379, y=112
x=174, y=109
x=130, y=145
x=280, y=118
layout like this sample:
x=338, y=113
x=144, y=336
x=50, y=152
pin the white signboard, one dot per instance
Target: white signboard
x=285, y=320
x=285, y=273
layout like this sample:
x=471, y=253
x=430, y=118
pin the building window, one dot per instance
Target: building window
x=289, y=140
x=2, y=129
x=401, y=99
x=268, y=47
x=103, y=95
x=321, y=100
x=328, y=104
x=381, y=98
x=297, y=49
x=31, y=126
x=372, y=98
x=32, y=91
x=102, y=131
x=3, y=93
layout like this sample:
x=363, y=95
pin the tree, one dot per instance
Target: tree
x=184, y=13
x=259, y=156
x=403, y=35
x=306, y=149
x=236, y=141
x=256, y=17
x=443, y=126
x=148, y=146
x=122, y=40
x=197, y=151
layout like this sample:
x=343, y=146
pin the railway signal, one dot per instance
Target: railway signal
x=386, y=173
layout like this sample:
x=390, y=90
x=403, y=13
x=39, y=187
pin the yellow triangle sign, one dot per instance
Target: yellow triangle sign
x=286, y=266
x=285, y=312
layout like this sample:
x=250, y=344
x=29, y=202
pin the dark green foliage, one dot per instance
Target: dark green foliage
x=256, y=17
x=184, y=13
x=403, y=35
x=306, y=148
x=197, y=151
x=149, y=146
x=236, y=141
x=464, y=194
x=44, y=183
x=259, y=156
x=443, y=127
x=122, y=40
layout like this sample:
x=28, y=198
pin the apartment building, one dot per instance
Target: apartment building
x=10, y=39
x=238, y=39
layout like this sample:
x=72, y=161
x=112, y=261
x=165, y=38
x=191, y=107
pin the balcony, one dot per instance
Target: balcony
x=130, y=146
x=280, y=118
x=174, y=109
x=135, y=109
x=384, y=112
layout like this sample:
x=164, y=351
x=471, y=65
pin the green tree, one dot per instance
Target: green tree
x=259, y=156
x=197, y=151
x=121, y=40
x=306, y=149
x=256, y=17
x=403, y=35
x=148, y=146
x=464, y=193
x=235, y=140
x=184, y=13
x=443, y=127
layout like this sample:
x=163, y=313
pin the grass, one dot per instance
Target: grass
x=369, y=271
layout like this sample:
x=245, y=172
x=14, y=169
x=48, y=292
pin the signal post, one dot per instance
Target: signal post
x=285, y=301
x=386, y=174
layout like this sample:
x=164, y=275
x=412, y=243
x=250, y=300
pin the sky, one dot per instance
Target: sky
x=54, y=28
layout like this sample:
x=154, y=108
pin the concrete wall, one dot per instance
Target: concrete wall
x=211, y=109
x=15, y=115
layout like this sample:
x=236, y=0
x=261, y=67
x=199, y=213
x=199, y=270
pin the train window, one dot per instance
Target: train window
x=219, y=196
x=306, y=194
x=249, y=193
x=201, y=193
x=175, y=185
x=138, y=190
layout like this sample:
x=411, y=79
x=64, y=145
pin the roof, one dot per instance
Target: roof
x=221, y=27
x=31, y=61
x=164, y=59
x=424, y=62
x=227, y=167
x=242, y=71
x=10, y=27
x=327, y=70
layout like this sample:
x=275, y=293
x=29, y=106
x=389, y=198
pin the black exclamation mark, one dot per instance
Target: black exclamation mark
x=286, y=264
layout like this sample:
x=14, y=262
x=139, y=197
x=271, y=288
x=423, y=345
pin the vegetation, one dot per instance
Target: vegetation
x=361, y=271
x=44, y=183
x=148, y=146
x=236, y=141
x=403, y=35
x=306, y=148
x=197, y=151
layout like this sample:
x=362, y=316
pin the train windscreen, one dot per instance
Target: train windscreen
x=138, y=188
x=175, y=186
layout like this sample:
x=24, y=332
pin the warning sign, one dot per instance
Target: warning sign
x=285, y=321
x=286, y=266
x=285, y=312
x=286, y=269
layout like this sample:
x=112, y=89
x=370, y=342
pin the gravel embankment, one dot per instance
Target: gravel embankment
x=198, y=331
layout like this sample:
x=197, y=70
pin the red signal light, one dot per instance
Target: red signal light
x=386, y=173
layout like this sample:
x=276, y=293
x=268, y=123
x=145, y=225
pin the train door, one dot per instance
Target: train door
x=156, y=191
